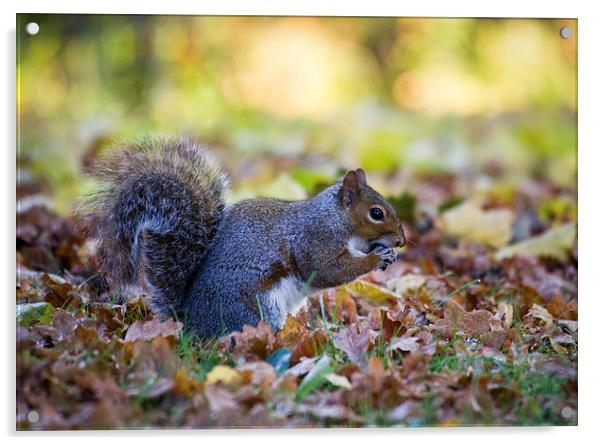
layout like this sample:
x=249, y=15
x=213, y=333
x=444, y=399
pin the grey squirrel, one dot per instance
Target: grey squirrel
x=160, y=219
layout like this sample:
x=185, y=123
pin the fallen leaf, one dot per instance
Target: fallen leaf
x=338, y=380
x=402, y=411
x=556, y=242
x=303, y=367
x=556, y=346
x=223, y=374
x=59, y=292
x=571, y=325
x=506, y=311
x=408, y=344
x=456, y=319
x=541, y=313
x=310, y=345
x=258, y=340
x=405, y=283
x=338, y=303
x=221, y=400
x=353, y=340
x=257, y=373
x=147, y=330
x=559, y=308
x=292, y=332
x=469, y=221
x=64, y=322
x=371, y=292
x=27, y=313
x=184, y=385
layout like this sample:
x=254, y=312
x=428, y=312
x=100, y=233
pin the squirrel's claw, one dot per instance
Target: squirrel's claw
x=387, y=256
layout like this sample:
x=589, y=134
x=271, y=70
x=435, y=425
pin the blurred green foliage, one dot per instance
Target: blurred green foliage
x=290, y=102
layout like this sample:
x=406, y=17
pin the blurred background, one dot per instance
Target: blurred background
x=435, y=110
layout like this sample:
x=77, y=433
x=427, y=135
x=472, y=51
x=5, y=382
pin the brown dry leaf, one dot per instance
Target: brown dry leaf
x=353, y=340
x=147, y=330
x=542, y=314
x=309, y=346
x=59, y=292
x=456, y=319
x=388, y=322
x=156, y=354
x=559, y=308
x=64, y=322
x=494, y=339
x=259, y=340
x=371, y=292
x=107, y=316
x=405, y=343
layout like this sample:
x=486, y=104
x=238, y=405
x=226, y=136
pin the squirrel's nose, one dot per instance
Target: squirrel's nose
x=402, y=238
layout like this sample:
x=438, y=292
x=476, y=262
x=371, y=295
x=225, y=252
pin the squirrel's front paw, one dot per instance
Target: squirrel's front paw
x=386, y=255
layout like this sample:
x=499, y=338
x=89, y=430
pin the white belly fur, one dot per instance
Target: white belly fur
x=288, y=295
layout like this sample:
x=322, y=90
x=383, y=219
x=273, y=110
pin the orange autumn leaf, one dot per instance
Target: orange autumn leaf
x=184, y=385
x=309, y=346
x=292, y=332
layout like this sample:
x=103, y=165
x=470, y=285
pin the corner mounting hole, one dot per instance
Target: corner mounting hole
x=32, y=28
x=566, y=32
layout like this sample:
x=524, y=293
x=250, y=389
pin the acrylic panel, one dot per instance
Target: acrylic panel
x=412, y=260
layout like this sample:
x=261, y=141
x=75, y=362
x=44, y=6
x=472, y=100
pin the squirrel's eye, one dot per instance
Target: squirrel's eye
x=377, y=214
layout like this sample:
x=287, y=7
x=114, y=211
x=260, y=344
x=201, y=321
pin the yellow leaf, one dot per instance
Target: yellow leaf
x=555, y=242
x=223, y=374
x=469, y=221
x=370, y=291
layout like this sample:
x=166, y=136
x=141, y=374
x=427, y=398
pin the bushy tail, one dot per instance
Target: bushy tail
x=154, y=215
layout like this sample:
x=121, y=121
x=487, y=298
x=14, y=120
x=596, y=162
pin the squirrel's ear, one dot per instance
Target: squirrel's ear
x=361, y=176
x=350, y=189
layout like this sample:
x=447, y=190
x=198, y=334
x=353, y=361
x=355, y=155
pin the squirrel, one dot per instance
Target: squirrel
x=160, y=220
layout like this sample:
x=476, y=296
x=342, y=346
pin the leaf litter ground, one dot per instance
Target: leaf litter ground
x=458, y=331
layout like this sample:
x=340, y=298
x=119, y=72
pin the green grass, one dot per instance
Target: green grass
x=532, y=388
x=198, y=356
